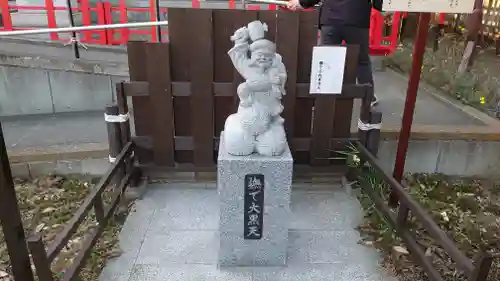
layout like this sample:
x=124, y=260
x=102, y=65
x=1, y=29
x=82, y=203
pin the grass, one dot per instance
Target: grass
x=467, y=209
x=46, y=204
x=478, y=88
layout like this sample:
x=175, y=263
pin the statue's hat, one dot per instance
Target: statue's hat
x=263, y=44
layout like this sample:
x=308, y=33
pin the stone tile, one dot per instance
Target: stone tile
x=184, y=247
x=136, y=227
x=118, y=269
x=131, y=239
x=324, y=211
x=184, y=209
x=330, y=247
x=271, y=250
x=316, y=272
x=180, y=272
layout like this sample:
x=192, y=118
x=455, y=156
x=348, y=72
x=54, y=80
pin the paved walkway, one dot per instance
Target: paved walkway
x=173, y=235
x=35, y=133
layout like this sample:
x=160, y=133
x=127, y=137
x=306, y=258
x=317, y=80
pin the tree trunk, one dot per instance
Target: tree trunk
x=473, y=24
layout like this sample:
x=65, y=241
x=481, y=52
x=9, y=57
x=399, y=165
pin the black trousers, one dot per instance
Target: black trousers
x=356, y=36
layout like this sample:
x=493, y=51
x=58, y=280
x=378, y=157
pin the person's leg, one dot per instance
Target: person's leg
x=330, y=35
x=361, y=36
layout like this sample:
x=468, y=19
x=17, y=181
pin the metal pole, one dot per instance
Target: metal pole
x=74, y=40
x=83, y=28
x=158, y=18
x=411, y=98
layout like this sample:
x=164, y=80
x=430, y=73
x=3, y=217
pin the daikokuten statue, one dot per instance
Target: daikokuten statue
x=257, y=125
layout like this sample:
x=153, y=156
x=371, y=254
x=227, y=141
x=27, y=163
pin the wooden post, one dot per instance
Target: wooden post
x=39, y=255
x=121, y=99
x=10, y=219
x=483, y=266
x=113, y=121
x=474, y=23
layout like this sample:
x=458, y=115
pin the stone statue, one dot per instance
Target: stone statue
x=257, y=125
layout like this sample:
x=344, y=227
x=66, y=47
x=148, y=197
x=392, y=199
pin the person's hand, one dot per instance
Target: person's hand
x=293, y=5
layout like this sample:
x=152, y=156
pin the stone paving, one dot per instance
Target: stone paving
x=172, y=235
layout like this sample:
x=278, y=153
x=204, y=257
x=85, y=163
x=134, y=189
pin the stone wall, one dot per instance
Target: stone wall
x=26, y=91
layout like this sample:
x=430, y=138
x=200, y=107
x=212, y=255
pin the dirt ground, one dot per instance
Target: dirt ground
x=479, y=88
x=468, y=210
x=46, y=204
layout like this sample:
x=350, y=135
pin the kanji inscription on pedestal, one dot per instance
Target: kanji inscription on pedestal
x=432, y=6
x=254, y=206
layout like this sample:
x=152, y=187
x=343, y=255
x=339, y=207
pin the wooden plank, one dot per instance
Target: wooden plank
x=223, y=28
x=202, y=99
x=138, y=72
x=161, y=104
x=225, y=89
x=287, y=41
x=271, y=19
x=187, y=143
x=10, y=220
x=135, y=88
x=343, y=107
x=180, y=47
x=223, y=68
x=324, y=112
x=308, y=34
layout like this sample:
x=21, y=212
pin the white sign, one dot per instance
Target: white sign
x=431, y=6
x=327, y=70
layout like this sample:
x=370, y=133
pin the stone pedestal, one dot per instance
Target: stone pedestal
x=238, y=185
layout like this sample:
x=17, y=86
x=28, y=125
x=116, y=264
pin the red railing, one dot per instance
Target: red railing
x=380, y=43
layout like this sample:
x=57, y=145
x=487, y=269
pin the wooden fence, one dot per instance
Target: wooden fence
x=119, y=176
x=183, y=91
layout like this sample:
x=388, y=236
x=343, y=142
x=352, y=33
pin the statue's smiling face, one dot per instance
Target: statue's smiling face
x=263, y=58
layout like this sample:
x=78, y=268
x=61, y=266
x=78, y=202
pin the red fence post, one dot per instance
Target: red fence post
x=4, y=9
x=51, y=18
x=411, y=99
x=84, y=9
x=101, y=19
x=152, y=17
x=124, y=32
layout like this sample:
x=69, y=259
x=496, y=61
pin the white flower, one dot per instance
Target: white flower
x=445, y=216
x=355, y=159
